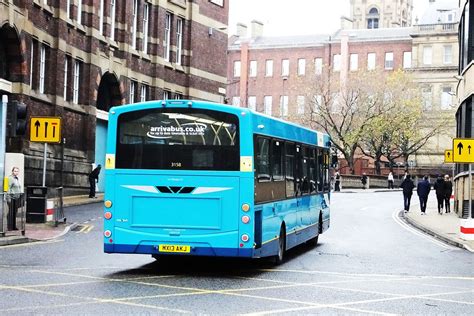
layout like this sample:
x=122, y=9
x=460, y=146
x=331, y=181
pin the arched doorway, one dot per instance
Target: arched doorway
x=10, y=54
x=108, y=95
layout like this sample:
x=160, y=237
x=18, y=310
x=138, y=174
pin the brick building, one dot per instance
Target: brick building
x=75, y=59
x=273, y=74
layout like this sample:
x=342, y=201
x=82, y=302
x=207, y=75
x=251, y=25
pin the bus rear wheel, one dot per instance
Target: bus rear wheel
x=280, y=257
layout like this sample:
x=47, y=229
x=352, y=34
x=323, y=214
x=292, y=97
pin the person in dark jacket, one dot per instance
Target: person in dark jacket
x=439, y=188
x=93, y=179
x=448, y=191
x=407, y=186
x=363, y=179
x=337, y=183
x=423, y=190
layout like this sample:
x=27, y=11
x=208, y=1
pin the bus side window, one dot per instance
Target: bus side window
x=320, y=168
x=312, y=171
x=289, y=169
x=304, y=186
x=263, y=159
x=277, y=160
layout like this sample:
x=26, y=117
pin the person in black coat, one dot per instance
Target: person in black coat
x=407, y=186
x=423, y=190
x=448, y=191
x=439, y=188
x=93, y=179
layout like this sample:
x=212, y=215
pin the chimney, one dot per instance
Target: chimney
x=256, y=28
x=346, y=23
x=241, y=30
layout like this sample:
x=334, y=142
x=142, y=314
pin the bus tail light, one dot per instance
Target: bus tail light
x=108, y=204
x=107, y=215
x=245, y=219
x=245, y=237
x=107, y=233
x=245, y=207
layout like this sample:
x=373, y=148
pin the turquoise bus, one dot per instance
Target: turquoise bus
x=205, y=179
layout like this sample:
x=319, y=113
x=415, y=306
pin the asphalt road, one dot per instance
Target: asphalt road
x=367, y=263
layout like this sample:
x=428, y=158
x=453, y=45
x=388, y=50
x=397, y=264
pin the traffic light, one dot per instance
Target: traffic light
x=16, y=118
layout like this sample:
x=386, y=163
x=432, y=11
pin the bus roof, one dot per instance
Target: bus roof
x=274, y=126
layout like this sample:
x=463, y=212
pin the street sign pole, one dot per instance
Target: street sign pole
x=3, y=131
x=44, y=163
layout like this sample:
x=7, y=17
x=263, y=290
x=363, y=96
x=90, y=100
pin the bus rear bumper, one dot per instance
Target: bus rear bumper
x=195, y=251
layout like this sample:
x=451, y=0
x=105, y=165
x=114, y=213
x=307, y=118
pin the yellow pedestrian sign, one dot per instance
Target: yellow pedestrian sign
x=45, y=129
x=463, y=150
x=448, y=156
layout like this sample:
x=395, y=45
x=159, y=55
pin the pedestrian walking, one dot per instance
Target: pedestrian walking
x=448, y=191
x=337, y=183
x=407, y=186
x=439, y=189
x=423, y=190
x=93, y=179
x=390, y=180
x=363, y=179
x=13, y=198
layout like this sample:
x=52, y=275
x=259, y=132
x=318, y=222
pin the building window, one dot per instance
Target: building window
x=68, y=9
x=133, y=86
x=66, y=63
x=179, y=41
x=354, y=62
x=301, y=66
x=318, y=102
x=167, y=40
x=79, y=12
x=178, y=96
x=101, y=17
x=77, y=80
x=218, y=2
x=269, y=68
x=146, y=15
x=284, y=106
x=42, y=71
x=112, y=19
x=252, y=103
x=134, y=24
x=32, y=59
x=373, y=19
x=426, y=98
x=300, y=104
x=267, y=102
x=337, y=62
x=143, y=93
x=427, y=55
x=446, y=98
x=236, y=68
x=253, y=68
x=371, y=61
x=166, y=95
x=318, y=66
x=388, y=61
x=448, y=54
x=285, y=67
x=406, y=60
x=236, y=101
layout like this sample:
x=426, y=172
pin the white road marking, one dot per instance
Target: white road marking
x=420, y=234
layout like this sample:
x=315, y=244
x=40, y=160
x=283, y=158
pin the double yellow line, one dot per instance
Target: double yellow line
x=85, y=229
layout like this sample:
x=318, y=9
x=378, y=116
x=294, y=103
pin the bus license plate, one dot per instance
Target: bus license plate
x=174, y=248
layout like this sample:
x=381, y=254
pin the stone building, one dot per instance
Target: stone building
x=464, y=185
x=271, y=74
x=75, y=59
x=373, y=14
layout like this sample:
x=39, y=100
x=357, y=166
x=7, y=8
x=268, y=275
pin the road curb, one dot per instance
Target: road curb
x=433, y=233
x=64, y=232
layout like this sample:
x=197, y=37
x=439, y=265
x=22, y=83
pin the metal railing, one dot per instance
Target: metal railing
x=12, y=214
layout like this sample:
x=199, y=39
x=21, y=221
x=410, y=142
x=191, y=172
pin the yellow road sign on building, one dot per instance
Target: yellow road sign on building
x=45, y=129
x=448, y=156
x=463, y=150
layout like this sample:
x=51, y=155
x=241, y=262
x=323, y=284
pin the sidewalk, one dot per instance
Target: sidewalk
x=47, y=231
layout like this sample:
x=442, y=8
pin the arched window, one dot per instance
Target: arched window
x=373, y=19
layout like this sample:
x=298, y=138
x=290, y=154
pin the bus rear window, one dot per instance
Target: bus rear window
x=188, y=139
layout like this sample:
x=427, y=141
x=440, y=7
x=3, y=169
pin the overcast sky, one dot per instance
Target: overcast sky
x=296, y=17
